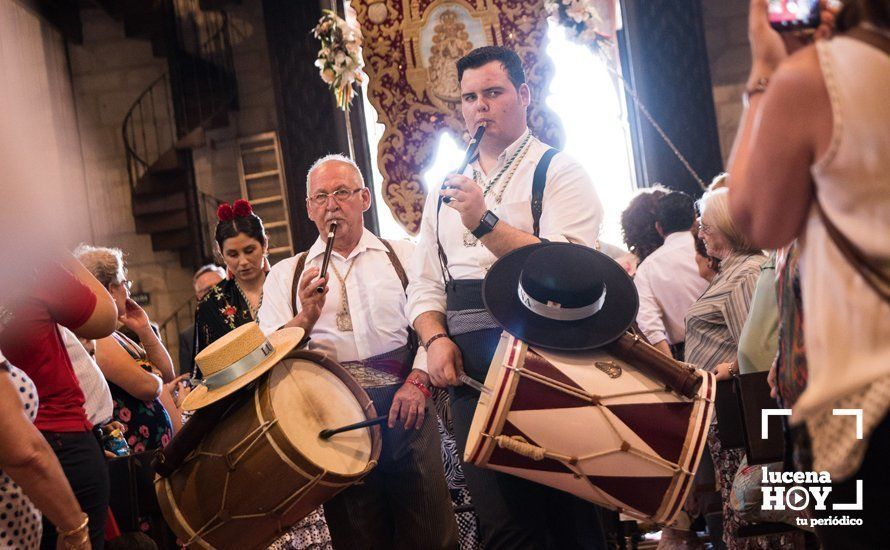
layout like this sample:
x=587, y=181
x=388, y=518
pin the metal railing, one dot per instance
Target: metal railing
x=197, y=87
x=172, y=325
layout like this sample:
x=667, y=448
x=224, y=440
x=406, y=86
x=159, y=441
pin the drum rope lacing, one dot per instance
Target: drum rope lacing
x=521, y=446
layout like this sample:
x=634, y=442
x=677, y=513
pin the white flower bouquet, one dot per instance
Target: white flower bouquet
x=340, y=58
x=586, y=21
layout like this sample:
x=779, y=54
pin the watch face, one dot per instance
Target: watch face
x=490, y=219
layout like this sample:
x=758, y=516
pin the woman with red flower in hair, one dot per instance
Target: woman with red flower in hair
x=243, y=245
x=234, y=301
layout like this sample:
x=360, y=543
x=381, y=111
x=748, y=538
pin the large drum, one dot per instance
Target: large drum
x=263, y=467
x=594, y=425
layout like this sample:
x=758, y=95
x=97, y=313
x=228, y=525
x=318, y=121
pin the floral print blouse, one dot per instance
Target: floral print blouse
x=222, y=310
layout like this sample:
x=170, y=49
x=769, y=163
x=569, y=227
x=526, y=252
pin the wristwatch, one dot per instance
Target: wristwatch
x=486, y=224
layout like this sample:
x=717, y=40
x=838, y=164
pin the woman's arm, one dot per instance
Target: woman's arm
x=103, y=320
x=782, y=131
x=120, y=368
x=28, y=459
x=137, y=320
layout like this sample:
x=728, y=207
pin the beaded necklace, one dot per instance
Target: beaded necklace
x=504, y=176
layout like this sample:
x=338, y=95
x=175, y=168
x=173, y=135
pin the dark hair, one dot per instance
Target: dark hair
x=675, y=212
x=638, y=222
x=854, y=12
x=251, y=225
x=702, y=251
x=487, y=54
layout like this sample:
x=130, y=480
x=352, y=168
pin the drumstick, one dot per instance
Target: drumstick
x=326, y=434
x=328, y=250
x=471, y=382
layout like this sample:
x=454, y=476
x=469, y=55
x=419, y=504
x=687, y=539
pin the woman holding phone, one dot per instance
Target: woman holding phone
x=812, y=161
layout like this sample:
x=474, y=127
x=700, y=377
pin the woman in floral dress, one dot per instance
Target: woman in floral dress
x=136, y=372
x=234, y=301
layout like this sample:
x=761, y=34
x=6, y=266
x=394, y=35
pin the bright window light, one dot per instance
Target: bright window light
x=449, y=155
x=584, y=95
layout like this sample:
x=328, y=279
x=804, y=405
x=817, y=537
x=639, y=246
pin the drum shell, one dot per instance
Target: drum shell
x=577, y=418
x=247, y=466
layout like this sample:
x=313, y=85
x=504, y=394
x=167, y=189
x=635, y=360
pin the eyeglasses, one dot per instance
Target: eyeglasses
x=127, y=284
x=340, y=195
x=705, y=228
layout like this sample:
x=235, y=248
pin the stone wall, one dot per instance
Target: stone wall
x=216, y=164
x=726, y=33
x=108, y=73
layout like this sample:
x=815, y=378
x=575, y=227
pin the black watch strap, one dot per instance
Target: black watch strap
x=486, y=224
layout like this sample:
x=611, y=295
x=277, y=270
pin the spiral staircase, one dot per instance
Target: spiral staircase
x=171, y=117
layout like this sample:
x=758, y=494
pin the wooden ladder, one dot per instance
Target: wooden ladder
x=261, y=173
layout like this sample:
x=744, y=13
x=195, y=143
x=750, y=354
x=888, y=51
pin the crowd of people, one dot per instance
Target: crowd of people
x=799, y=223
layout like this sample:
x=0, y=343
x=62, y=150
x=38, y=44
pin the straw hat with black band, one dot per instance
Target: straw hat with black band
x=561, y=296
x=237, y=359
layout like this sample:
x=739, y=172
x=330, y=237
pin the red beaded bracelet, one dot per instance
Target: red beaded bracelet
x=420, y=386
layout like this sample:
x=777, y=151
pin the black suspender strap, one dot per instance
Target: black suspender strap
x=537, y=206
x=538, y=184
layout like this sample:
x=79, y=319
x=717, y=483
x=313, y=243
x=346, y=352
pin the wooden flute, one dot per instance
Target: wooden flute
x=328, y=250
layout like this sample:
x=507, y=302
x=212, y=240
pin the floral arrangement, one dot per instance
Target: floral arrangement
x=340, y=57
x=590, y=22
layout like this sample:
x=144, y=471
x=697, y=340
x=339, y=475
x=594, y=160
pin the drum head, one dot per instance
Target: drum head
x=308, y=398
x=492, y=409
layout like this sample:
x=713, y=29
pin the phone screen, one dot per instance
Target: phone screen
x=787, y=15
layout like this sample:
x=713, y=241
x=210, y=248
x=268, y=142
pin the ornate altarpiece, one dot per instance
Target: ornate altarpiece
x=410, y=49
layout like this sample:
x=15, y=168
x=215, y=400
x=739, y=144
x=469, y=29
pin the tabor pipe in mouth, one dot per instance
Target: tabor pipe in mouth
x=329, y=249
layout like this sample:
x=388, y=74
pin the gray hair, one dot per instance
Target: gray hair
x=716, y=202
x=330, y=158
x=106, y=264
x=209, y=268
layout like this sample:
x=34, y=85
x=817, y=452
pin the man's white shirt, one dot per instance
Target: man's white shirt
x=572, y=212
x=374, y=291
x=668, y=283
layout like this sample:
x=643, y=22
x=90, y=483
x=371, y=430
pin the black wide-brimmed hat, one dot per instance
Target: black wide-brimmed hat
x=561, y=296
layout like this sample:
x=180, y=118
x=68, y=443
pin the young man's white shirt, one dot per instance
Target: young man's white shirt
x=572, y=212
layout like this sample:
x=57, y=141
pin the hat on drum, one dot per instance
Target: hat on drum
x=237, y=359
x=561, y=296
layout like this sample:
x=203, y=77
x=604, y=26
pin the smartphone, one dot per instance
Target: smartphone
x=793, y=15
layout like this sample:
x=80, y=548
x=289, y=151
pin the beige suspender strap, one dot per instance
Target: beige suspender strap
x=396, y=263
x=295, y=284
x=873, y=275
